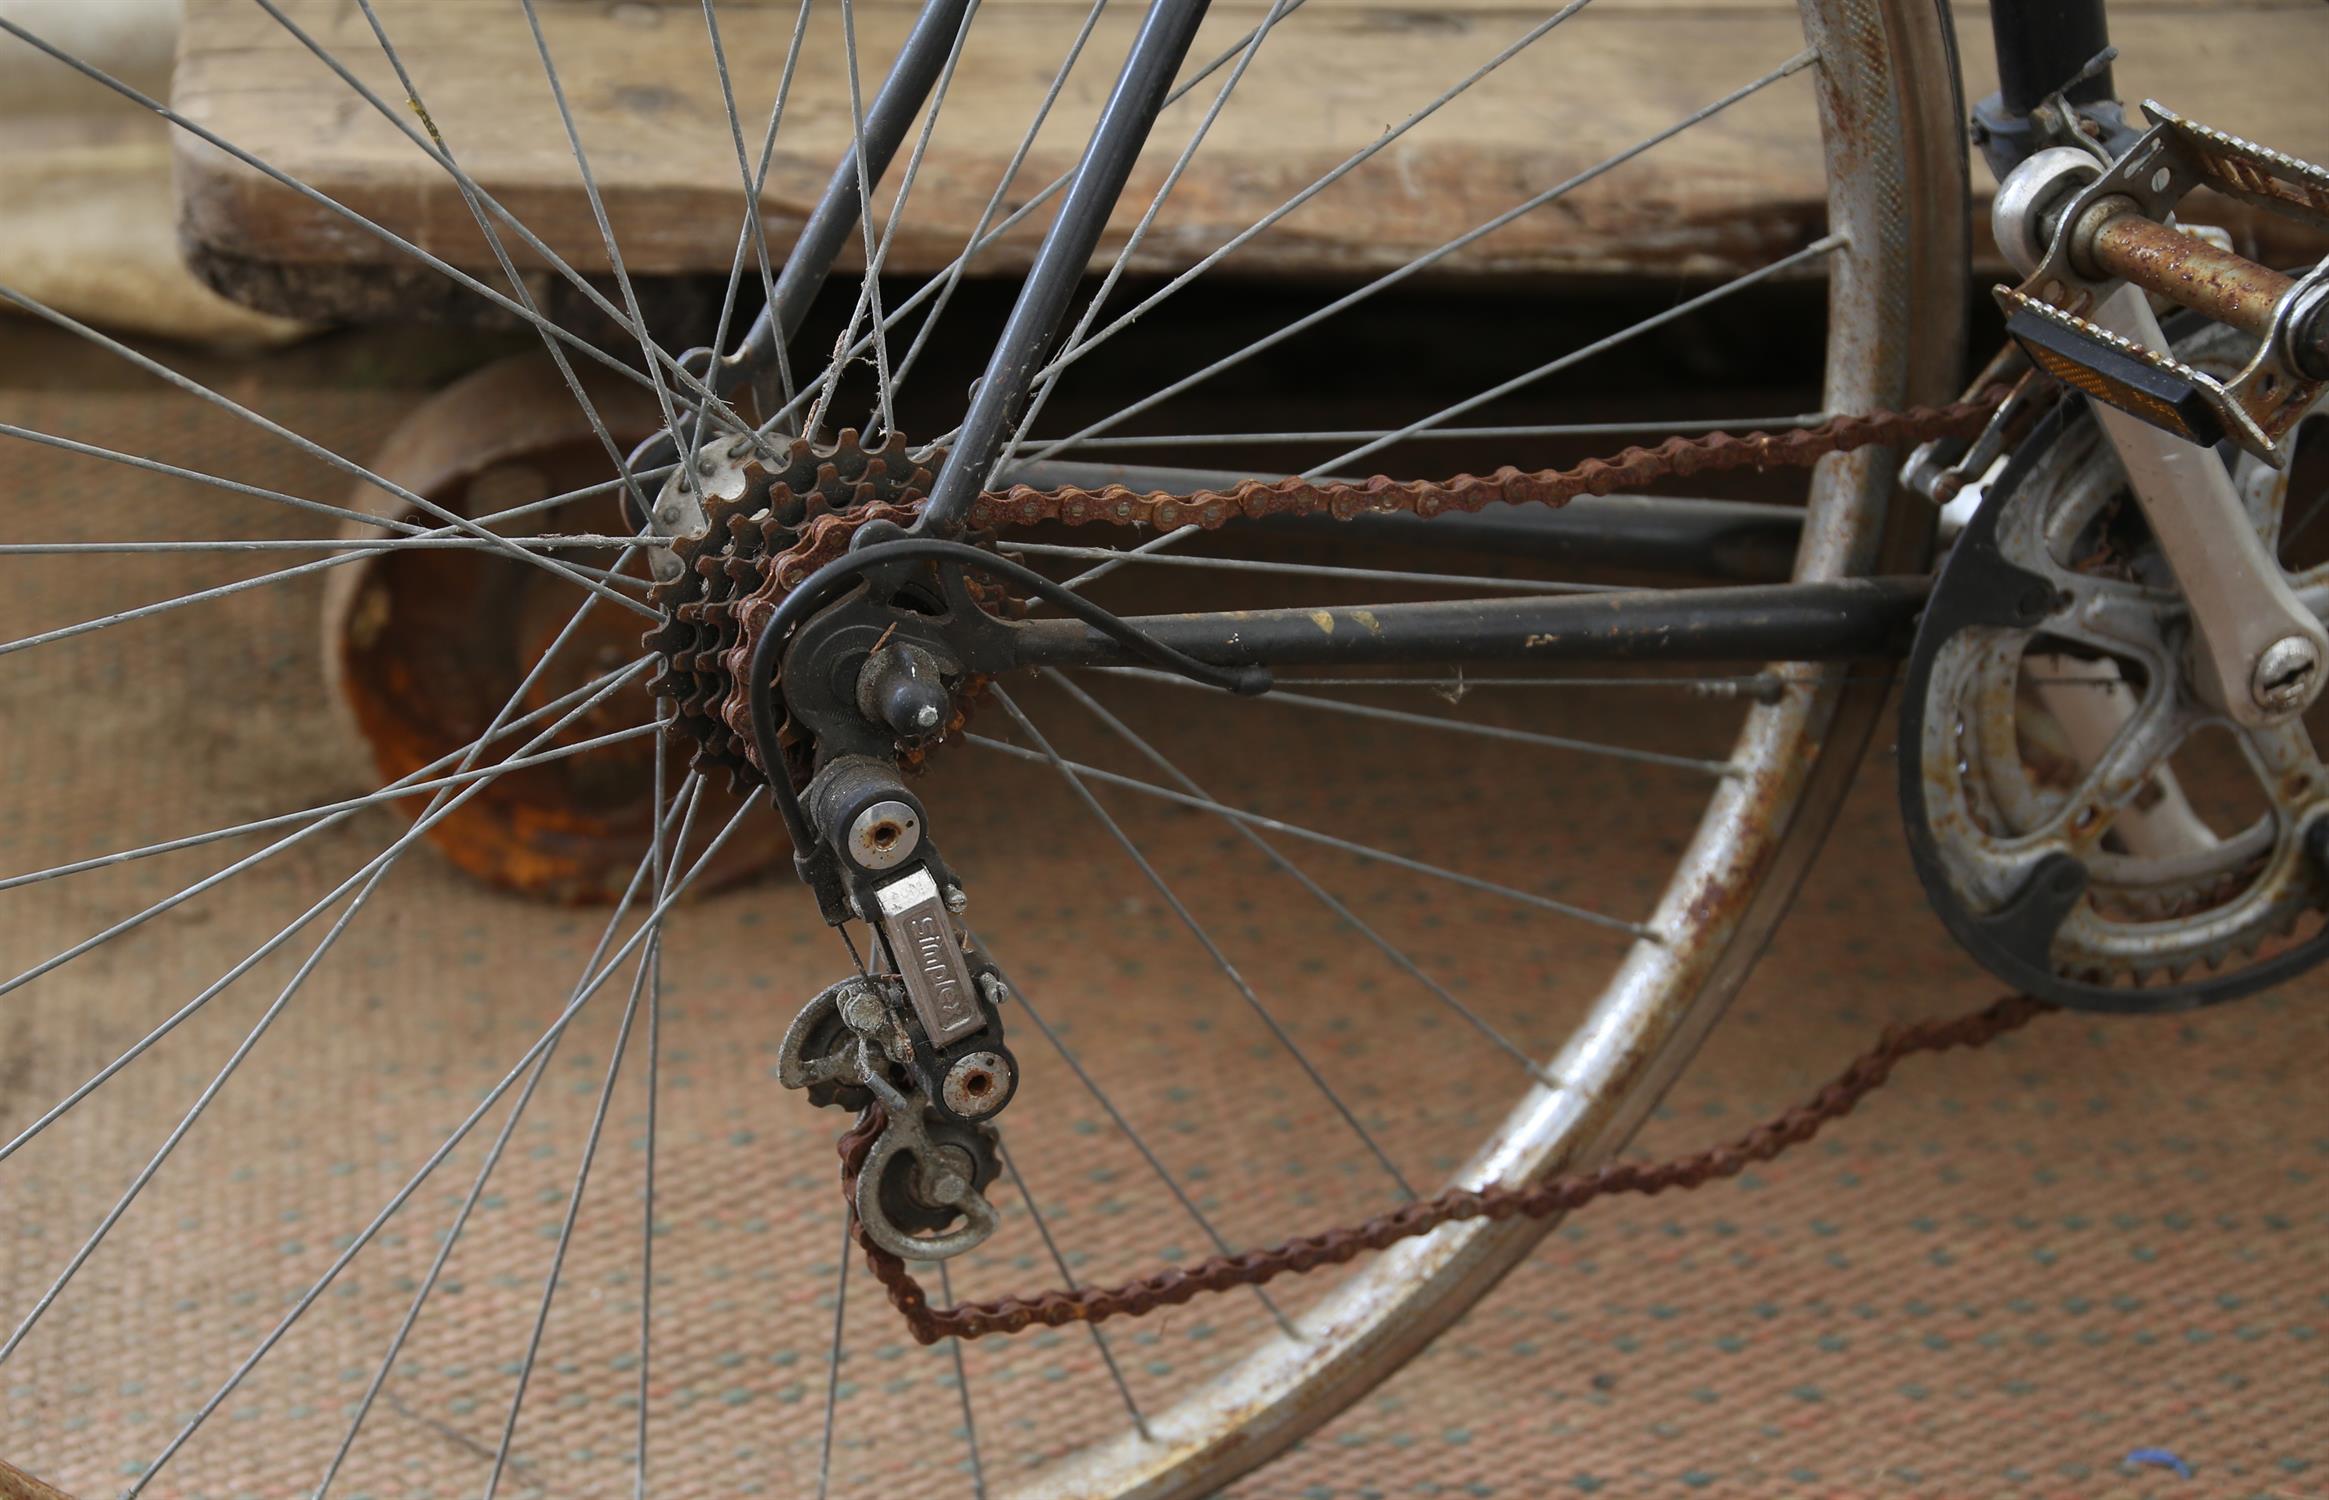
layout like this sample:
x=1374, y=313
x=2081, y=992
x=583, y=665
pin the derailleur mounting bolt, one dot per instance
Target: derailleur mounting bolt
x=904, y=688
x=977, y=1084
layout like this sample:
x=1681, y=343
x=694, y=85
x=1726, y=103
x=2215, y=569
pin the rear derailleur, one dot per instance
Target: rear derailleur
x=919, y=1033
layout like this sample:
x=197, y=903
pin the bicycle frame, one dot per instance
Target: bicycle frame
x=2041, y=45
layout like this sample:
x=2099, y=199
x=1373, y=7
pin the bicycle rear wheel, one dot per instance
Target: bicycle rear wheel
x=1870, y=84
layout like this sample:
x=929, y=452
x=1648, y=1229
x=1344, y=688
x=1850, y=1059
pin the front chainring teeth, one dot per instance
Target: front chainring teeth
x=2145, y=931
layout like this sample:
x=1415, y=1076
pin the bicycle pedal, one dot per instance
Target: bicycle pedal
x=2080, y=233
x=2272, y=180
x=2144, y=383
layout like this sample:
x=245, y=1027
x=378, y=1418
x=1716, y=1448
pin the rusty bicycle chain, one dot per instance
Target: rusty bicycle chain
x=1174, y=1285
x=739, y=623
x=827, y=536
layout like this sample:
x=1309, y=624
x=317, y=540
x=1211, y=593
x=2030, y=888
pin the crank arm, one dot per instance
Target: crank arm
x=2259, y=653
x=2092, y=242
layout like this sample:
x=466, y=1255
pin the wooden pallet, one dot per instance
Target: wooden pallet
x=1337, y=75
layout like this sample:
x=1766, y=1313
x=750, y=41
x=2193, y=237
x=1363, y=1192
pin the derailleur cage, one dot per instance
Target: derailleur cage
x=921, y=1192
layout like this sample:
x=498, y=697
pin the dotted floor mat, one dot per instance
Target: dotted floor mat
x=2007, y=1273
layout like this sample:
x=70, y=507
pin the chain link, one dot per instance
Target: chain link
x=827, y=536
x=1174, y=1285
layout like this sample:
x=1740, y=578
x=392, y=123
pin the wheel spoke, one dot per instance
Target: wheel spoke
x=501, y=716
x=1205, y=940
x=1067, y=1279
x=970, y=1424
x=364, y=883
x=572, y=542
x=436, y=1158
x=833, y=1361
x=1816, y=250
x=1460, y=726
x=1730, y=685
x=1362, y=434
x=947, y=280
x=1139, y=1144
x=462, y=278
x=1421, y=262
x=1358, y=924
x=312, y=449
x=660, y=866
x=411, y=784
x=869, y=284
x=598, y=1120
x=869, y=302
x=218, y=877
x=1048, y=381
x=371, y=871
x=1307, y=570
x=933, y=285
x=754, y=235
x=471, y=197
x=173, y=471
x=1363, y=851
x=222, y=591
x=690, y=793
x=606, y=235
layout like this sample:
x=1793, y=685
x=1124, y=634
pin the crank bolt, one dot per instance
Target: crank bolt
x=977, y=1084
x=2285, y=674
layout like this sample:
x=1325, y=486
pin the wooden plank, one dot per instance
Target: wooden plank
x=1335, y=77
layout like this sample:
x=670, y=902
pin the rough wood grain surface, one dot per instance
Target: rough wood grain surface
x=1335, y=77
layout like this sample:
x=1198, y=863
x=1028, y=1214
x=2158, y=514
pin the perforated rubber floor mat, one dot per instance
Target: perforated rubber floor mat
x=2006, y=1274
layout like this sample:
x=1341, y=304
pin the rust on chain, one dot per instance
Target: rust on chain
x=827, y=536
x=1173, y=1285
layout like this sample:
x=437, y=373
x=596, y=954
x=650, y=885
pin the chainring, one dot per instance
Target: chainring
x=2013, y=840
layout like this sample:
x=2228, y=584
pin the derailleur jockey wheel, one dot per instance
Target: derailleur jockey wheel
x=2050, y=698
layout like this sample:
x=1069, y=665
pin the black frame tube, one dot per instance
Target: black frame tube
x=913, y=73
x=2042, y=44
x=1854, y=619
x=1059, y=263
x=892, y=113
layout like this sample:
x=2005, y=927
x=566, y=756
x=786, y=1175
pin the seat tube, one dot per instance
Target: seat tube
x=2042, y=45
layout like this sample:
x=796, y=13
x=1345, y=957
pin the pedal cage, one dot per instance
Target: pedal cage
x=2258, y=407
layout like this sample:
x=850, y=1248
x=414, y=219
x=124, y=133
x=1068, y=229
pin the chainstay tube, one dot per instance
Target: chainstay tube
x=1174, y=1285
x=827, y=537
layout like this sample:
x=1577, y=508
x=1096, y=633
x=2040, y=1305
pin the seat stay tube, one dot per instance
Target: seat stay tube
x=896, y=105
x=1060, y=261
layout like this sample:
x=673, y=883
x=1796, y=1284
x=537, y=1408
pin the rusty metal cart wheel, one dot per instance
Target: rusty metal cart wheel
x=423, y=647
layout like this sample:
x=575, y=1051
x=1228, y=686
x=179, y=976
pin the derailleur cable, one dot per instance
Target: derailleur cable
x=818, y=588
